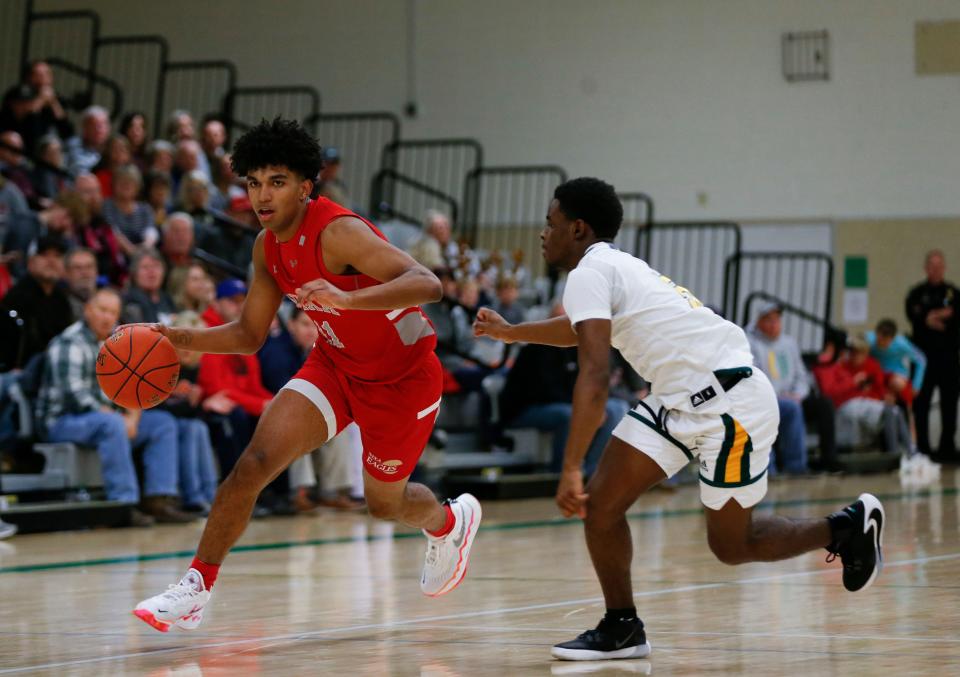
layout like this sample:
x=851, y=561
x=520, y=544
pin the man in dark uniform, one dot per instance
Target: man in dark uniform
x=933, y=311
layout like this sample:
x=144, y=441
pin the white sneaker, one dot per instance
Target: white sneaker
x=181, y=606
x=445, y=564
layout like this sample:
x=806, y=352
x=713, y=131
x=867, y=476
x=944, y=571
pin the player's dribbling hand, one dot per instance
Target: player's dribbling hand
x=321, y=293
x=152, y=326
x=570, y=496
x=491, y=323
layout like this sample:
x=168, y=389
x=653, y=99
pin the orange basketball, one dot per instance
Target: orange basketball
x=137, y=367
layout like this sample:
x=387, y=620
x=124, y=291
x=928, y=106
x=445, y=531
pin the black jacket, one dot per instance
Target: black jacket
x=921, y=300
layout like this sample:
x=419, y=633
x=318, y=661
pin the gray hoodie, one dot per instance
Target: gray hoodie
x=780, y=360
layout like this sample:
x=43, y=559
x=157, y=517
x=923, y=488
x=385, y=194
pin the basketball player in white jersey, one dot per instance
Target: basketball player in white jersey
x=707, y=405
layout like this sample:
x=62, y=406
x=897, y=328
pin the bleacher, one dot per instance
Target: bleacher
x=395, y=180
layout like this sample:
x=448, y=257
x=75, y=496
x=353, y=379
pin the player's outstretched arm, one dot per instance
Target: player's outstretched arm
x=589, y=407
x=246, y=334
x=555, y=331
x=349, y=243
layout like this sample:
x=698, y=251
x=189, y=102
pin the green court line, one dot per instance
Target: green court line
x=506, y=526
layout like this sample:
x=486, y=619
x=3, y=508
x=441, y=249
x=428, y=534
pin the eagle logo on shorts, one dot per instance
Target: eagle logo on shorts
x=386, y=467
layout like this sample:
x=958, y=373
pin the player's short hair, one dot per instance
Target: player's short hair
x=594, y=201
x=887, y=327
x=278, y=142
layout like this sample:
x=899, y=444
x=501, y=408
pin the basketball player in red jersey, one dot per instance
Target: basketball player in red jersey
x=374, y=363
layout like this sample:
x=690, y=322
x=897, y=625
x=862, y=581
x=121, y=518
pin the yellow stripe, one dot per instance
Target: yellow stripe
x=740, y=437
x=772, y=365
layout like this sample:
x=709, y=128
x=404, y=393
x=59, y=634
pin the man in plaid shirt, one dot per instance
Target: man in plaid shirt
x=72, y=408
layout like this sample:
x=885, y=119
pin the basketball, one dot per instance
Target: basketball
x=137, y=367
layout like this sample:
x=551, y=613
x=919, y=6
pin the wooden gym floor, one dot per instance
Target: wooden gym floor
x=339, y=594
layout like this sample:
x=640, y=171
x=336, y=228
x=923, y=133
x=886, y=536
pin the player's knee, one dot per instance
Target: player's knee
x=727, y=551
x=383, y=510
x=252, y=471
x=601, y=514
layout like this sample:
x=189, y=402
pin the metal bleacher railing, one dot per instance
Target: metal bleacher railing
x=804, y=280
x=246, y=106
x=505, y=208
x=200, y=87
x=136, y=63
x=395, y=196
x=693, y=253
x=442, y=164
x=809, y=329
x=638, y=214
x=360, y=138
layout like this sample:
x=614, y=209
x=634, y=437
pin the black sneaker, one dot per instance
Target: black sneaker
x=858, y=540
x=610, y=639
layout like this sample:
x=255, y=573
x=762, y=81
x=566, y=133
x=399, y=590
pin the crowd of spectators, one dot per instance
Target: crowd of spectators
x=101, y=225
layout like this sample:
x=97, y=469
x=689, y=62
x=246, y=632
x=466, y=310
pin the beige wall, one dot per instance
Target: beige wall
x=895, y=250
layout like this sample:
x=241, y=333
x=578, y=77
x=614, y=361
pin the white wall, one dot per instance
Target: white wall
x=673, y=97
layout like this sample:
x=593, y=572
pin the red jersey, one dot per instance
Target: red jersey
x=377, y=346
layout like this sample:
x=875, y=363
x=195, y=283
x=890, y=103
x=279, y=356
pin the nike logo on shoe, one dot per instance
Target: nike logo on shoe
x=620, y=645
x=458, y=541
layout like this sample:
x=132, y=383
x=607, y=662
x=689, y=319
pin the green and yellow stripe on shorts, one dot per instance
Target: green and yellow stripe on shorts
x=733, y=462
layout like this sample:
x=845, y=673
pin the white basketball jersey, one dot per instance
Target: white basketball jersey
x=660, y=328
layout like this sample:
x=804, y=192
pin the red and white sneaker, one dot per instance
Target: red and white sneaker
x=445, y=564
x=181, y=606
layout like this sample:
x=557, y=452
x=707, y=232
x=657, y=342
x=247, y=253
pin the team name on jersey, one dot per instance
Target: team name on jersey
x=312, y=306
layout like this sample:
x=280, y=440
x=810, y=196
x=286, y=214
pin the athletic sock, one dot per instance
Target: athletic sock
x=207, y=571
x=626, y=615
x=447, y=525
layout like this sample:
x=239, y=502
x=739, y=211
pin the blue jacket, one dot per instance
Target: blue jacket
x=898, y=357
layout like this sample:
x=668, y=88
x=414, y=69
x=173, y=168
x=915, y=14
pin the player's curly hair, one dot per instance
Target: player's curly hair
x=594, y=201
x=277, y=142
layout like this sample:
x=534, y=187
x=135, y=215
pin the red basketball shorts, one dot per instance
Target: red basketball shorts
x=395, y=419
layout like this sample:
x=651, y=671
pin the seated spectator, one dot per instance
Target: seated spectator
x=71, y=407
x=157, y=187
x=193, y=197
x=94, y=233
x=435, y=249
x=13, y=205
x=229, y=241
x=778, y=356
x=81, y=278
x=84, y=151
x=37, y=308
x=539, y=394
x=197, y=292
x=180, y=126
x=188, y=157
x=33, y=108
x=865, y=408
x=133, y=127
x=176, y=245
x=48, y=182
x=225, y=184
x=281, y=357
x=898, y=356
x=330, y=185
x=508, y=292
x=232, y=384
x=159, y=157
x=197, y=465
x=116, y=154
x=13, y=165
x=213, y=137
x=27, y=228
x=125, y=212
x=145, y=300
